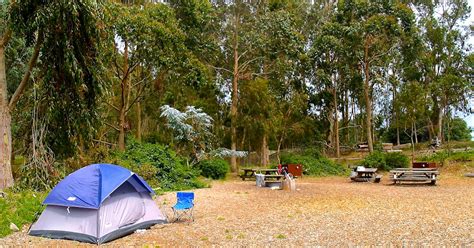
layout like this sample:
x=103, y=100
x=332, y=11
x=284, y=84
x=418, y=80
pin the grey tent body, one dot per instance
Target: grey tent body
x=127, y=209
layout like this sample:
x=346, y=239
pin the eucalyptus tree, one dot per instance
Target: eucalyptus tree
x=280, y=49
x=328, y=58
x=238, y=39
x=147, y=43
x=374, y=28
x=445, y=59
x=66, y=39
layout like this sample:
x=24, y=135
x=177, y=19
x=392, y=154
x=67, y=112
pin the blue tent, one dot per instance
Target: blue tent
x=96, y=204
x=90, y=186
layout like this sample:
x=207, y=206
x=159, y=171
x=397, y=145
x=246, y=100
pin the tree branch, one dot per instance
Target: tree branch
x=104, y=142
x=112, y=126
x=221, y=68
x=242, y=54
x=26, y=76
x=141, y=81
x=113, y=106
x=139, y=95
x=246, y=63
x=118, y=69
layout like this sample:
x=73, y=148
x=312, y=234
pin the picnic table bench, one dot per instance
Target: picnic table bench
x=270, y=180
x=426, y=175
x=362, y=174
x=250, y=173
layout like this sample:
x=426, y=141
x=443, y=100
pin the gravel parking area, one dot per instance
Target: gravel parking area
x=322, y=212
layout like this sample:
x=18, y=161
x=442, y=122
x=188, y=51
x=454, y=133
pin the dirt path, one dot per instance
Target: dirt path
x=323, y=212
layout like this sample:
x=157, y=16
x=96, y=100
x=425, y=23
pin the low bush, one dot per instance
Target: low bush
x=315, y=164
x=396, y=160
x=442, y=157
x=20, y=209
x=213, y=168
x=385, y=161
x=374, y=160
x=158, y=165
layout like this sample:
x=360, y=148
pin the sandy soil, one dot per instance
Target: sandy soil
x=323, y=212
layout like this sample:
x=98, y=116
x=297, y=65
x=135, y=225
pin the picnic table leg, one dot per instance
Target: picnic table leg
x=433, y=180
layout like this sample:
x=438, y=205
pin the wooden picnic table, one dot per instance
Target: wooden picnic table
x=365, y=175
x=250, y=173
x=276, y=177
x=427, y=175
x=267, y=171
x=270, y=180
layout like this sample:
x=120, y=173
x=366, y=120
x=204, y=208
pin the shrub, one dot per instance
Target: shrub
x=315, y=165
x=20, y=209
x=374, y=160
x=442, y=157
x=213, y=168
x=169, y=172
x=385, y=161
x=396, y=160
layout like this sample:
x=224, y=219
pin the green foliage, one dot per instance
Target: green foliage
x=374, y=160
x=315, y=165
x=396, y=160
x=214, y=168
x=32, y=177
x=458, y=130
x=19, y=208
x=67, y=35
x=385, y=161
x=160, y=166
x=443, y=157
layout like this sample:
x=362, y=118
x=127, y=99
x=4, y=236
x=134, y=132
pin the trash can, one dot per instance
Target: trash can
x=424, y=165
x=295, y=169
x=260, y=179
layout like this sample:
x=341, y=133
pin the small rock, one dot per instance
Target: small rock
x=13, y=227
x=2, y=194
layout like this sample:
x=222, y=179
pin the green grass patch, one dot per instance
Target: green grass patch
x=280, y=236
x=20, y=209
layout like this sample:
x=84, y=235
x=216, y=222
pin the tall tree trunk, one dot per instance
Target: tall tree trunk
x=6, y=176
x=139, y=121
x=412, y=145
x=416, y=132
x=235, y=97
x=368, y=99
x=265, y=153
x=440, y=124
x=398, y=134
x=354, y=114
x=280, y=141
x=125, y=86
x=336, y=123
x=395, y=113
x=346, y=116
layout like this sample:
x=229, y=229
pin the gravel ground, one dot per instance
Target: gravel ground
x=322, y=212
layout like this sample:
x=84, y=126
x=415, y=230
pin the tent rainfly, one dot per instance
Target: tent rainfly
x=97, y=204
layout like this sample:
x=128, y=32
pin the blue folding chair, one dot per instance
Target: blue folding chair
x=184, y=206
